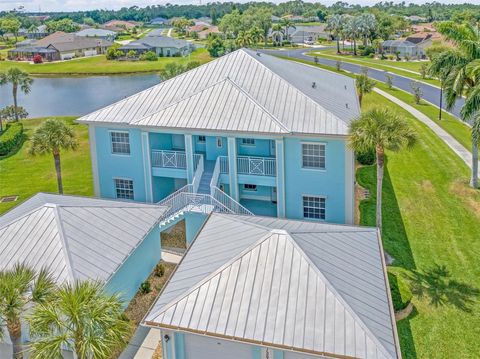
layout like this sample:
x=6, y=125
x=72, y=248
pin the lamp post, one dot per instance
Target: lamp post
x=441, y=100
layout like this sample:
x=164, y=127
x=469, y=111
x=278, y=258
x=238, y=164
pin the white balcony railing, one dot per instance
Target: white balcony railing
x=223, y=164
x=169, y=159
x=259, y=166
x=197, y=176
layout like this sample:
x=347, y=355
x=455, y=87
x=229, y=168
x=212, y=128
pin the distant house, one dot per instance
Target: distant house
x=276, y=18
x=299, y=18
x=416, y=19
x=39, y=33
x=159, y=21
x=305, y=34
x=98, y=33
x=423, y=40
x=202, y=35
x=402, y=48
x=119, y=24
x=61, y=46
x=161, y=45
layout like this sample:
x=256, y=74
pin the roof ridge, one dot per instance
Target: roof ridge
x=61, y=233
x=339, y=296
x=291, y=85
x=23, y=215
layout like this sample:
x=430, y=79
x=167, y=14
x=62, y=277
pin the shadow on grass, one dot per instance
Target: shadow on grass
x=437, y=285
x=404, y=329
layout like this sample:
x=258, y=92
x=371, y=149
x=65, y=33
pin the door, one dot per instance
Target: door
x=274, y=194
x=178, y=142
x=273, y=150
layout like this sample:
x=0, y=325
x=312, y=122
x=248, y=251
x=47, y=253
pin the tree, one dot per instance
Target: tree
x=17, y=78
x=173, y=69
x=65, y=25
x=243, y=39
x=81, y=317
x=389, y=81
x=8, y=114
x=353, y=30
x=10, y=24
x=336, y=25
x=286, y=23
x=368, y=24
x=417, y=92
x=53, y=136
x=260, y=17
x=255, y=35
x=380, y=130
x=459, y=70
x=114, y=52
x=231, y=24
x=215, y=45
x=181, y=25
x=364, y=85
x=20, y=287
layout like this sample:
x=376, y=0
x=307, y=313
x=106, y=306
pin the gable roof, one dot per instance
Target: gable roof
x=76, y=237
x=312, y=287
x=155, y=41
x=67, y=41
x=304, y=99
x=92, y=32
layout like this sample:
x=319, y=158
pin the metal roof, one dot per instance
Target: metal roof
x=303, y=99
x=155, y=41
x=312, y=287
x=92, y=32
x=76, y=237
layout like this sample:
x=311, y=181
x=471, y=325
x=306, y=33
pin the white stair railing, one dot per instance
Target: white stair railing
x=197, y=176
x=229, y=202
x=215, y=175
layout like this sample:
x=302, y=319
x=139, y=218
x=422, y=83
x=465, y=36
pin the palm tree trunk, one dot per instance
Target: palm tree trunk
x=14, y=92
x=360, y=98
x=380, y=166
x=338, y=45
x=58, y=169
x=15, y=331
x=474, y=179
x=354, y=46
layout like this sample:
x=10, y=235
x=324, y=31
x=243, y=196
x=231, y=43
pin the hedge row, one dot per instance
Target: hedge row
x=401, y=293
x=11, y=138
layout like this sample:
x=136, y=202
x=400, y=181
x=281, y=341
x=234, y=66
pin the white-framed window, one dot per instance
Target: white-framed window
x=219, y=142
x=120, y=142
x=248, y=142
x=250, y=187
x=202, y=139
x=124, y=188
x=313, y=207
x=313, y=155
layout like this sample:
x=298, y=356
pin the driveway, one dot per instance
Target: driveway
x=430, y=93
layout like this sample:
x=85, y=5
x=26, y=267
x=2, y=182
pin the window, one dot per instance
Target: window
x=120, y=143
x=313, y=207
x=201, y=139
x=124, y=188
x=219, y=142
x=250, y=187
x=248, y=141
x=313, y=155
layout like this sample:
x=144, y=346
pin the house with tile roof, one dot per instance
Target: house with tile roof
x=277, y=288
x=247, y=133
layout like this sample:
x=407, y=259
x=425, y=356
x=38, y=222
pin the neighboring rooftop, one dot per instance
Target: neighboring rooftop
x=293, y=97
x=92, y=32
x=76, y=237
x=311, y=287
x=67, y=42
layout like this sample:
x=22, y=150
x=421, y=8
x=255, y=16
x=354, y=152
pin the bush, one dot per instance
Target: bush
x=160, y=270
x=114, y=53
x=149, y=56
x=366, y=158
x=11, y=138
x=371, y=56
x=401, y=293
x=8, y=113
x=37, y=59
x=145, y=287
x=367, y=51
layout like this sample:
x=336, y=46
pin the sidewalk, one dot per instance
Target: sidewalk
x=461, y=151
x=143, y=344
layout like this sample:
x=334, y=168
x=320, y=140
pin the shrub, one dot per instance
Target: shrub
x=149, y=56
x=159, y=270
x=389, y=81
x=145, y=287
x=366, y=158
x=401, y=293
x=371, y=56
x=114, y=53
x=8, y=113
x=417, y=92
x=367, y=51
x=338, y=65
x=37, y=59
x=11, y=138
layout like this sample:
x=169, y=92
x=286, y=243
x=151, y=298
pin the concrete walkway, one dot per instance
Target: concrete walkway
x=143, y=344
x=461, y=151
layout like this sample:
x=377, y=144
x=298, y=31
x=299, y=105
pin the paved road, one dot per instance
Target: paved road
x=430, y=93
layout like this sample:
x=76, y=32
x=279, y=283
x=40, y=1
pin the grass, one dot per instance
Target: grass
x=98, y=65
x=430, y=227
x=402, y=68
x=24, y=175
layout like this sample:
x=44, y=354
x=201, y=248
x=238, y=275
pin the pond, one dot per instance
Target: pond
x=76, y=96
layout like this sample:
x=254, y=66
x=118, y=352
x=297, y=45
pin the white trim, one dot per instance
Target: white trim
x=303, y=208
x=281, y=192
x=147, y=167
x=129, y=154
x=324, y=169
x=94, y=160
x=115, y=188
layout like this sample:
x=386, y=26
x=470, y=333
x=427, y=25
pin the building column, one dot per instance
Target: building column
x=232, y=168
x=349, y=186
x=189, y=154
x=279, y=149
x=179, y=344
x=147, y=167
x=93, y=155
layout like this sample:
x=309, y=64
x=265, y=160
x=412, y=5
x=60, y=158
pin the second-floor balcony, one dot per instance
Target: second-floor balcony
x=172, y=159
x=250, y=165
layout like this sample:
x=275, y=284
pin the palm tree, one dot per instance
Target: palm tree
x=17, y=78
x=368, y=23
x=286, y=23
x=243, y=39
x=52, y=137
x=255, y=34
x=81, y=317
x=459, y=70
x=364, y=85
x=336, y=25
x=277, y=34
x=19, y=287
x=379, y=130
x=353, y=29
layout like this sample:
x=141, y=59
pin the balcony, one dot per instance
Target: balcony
x=256, y=166
x=168, y=163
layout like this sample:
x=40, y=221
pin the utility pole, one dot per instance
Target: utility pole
x=441, y=100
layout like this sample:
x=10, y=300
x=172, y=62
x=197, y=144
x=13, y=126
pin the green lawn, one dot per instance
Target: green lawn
x=430, y=226
x=24, y=175
x=402, y=68
x=100, y=65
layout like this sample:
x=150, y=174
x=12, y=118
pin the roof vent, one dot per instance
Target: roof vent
x=346, y=105
x=314, y=84
x=345, y=87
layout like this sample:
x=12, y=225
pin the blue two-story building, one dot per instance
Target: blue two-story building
x=255, y=133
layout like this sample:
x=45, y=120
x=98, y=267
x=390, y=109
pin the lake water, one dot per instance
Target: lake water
x=76, y=96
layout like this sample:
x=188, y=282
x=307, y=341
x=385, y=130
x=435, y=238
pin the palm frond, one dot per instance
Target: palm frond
x=472, y=104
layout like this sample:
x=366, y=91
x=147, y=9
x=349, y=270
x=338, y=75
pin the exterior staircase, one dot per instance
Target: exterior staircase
x=206, y=178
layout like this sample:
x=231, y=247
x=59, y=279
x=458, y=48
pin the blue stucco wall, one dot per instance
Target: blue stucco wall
x=213, y=151
x=119, y=166
x=199, y=146
x=263, y=193
x=162, y=187
x=137, y=267
x=261, y=148
x=193, y=223
x=329, y=183
x=160, y=141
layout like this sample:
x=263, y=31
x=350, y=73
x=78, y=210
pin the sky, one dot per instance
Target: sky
x=72, y=5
